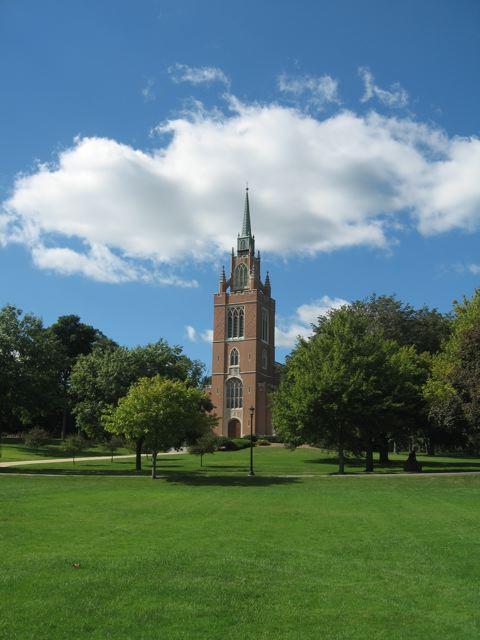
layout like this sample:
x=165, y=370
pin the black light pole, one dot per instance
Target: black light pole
x=252, y=411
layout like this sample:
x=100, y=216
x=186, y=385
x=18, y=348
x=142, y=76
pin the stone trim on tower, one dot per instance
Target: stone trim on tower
x=243, y=366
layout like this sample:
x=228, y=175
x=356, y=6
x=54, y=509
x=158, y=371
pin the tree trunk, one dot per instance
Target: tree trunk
x=138, y=454
x=201, y=459
x=430, y=447
x=383, y=451
x=64, y=423
x=341, y=460
x=154, y=465
x=369, y=457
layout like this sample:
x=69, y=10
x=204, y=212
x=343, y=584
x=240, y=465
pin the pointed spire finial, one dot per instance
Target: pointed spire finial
x=246, y=227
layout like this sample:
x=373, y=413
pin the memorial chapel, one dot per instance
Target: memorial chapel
x=243, y=366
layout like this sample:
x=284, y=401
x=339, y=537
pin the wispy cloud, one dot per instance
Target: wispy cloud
x=148, y=92
x=197, y=75
x=300, y=324
x=474, y=268
x=194, y=336
x=395, y=97
x=317, y=91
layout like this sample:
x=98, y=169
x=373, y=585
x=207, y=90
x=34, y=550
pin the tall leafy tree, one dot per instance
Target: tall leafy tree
x=101, y=378
x=347, y=385
x=76, y=339
x=424, y=329
x=30, y=358
x=453, y=389
x=164, y=413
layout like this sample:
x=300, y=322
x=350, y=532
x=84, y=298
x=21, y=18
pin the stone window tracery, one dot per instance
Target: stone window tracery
x=240, y=278
x=235, y=322
x=234, y=393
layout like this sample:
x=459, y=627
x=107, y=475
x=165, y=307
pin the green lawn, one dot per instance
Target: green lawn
x=12, y=450
x=232, y=558
x=268, y=461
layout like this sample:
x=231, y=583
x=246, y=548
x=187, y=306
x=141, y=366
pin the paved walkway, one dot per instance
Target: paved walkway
x=21, y=463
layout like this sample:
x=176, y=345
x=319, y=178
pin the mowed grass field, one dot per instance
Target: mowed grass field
x=217, y=555
x=273, y=460
x=15, y=449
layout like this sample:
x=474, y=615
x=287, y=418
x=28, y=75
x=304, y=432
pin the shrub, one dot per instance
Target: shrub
x=113, y=444
x=247, y=437
x=242, y=443
x=263, y=443
x=36, y=437
x=207, y=443
x=225, y=444
x=74, y=444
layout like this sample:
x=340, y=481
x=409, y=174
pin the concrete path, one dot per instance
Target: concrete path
x=20, y=463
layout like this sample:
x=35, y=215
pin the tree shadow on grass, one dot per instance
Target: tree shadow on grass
x=449, y=466
x=349, y=462
x=191, y=478
x=198, y=480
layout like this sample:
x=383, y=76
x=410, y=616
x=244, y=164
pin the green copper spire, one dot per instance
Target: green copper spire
x=246, y=227
x=245, y=240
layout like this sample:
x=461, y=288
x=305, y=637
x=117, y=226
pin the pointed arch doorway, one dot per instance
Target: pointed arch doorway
x=234, y=428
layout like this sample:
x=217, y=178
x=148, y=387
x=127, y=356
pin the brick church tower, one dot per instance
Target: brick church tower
x=243, y=368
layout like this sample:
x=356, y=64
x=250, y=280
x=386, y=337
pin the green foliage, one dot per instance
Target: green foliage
x=242, y=443
x=112, y=444
x=348, y=385
x=225, y=444
x=74, y=444
x=30, y=361
x=453, y=389
x=206, y=443
x=36, y=437
x=101, y=378
x=165, y=413
x=424, y=328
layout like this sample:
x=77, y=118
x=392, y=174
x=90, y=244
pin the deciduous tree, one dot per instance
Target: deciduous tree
x=165, y=413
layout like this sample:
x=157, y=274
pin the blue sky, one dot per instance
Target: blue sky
x=128, y=130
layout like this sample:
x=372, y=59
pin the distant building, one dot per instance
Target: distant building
x=243, y=369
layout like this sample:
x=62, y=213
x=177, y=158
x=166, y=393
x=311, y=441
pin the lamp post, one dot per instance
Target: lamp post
x=252, y=411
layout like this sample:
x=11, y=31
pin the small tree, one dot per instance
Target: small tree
x=73, y=444
x=35, y=438
x=205, y=444
x=113, y=444
x=166, y=413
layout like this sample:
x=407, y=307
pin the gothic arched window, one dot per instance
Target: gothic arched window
x=240, y=278
x=235, y=322
x=234, y=393
x=234, y=357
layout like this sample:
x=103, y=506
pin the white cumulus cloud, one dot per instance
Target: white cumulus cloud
x=197, y=75
x=114, y=213
x=300, y=325
x=396, y=96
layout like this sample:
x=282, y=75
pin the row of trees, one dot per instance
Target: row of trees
x=379, y=372
x=70, y=376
